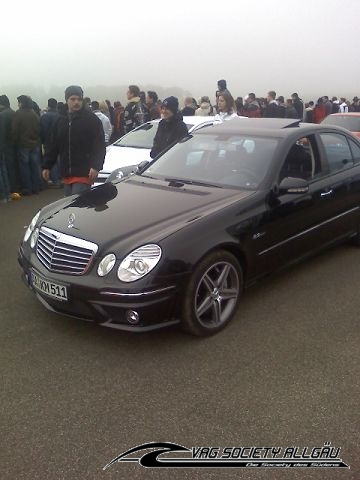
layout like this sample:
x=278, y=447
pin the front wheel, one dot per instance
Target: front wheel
x=213, y=294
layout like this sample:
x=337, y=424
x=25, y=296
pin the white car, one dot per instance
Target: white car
x=134, y=147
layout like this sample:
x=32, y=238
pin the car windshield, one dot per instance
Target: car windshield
x=230, y=161
x=141, y=137
x=349, y=122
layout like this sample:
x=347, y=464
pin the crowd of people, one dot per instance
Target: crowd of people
x=36, y=145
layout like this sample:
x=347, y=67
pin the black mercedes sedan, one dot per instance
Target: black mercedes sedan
x=179, y=240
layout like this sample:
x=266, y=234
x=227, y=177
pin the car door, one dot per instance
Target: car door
x=297, y=224
x=342, y=195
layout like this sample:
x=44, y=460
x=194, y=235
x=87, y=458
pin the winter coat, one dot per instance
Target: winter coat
x=223, y=116
x=154, y=111
x=291, y=112
x=282, y=110
x=188, y=111
x=47, y=122
x=271, y=110
x=335, y=107
x=169, y=132
x=26, y=128
x=204, y=110
x=119, y=121
x=328, y=108
x=343, y=108
x=79, y=140
x=6, y=119
x=319, y=113
x=299, y=107
x=106, y=125
x=252, y=109
x=309, y=115
x=136, y=113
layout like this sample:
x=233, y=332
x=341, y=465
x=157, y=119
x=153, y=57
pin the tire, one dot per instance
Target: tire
x=206, y=309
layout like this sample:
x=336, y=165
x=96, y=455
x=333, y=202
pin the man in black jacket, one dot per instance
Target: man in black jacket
x=298, y=105
x=171, y=128
x=136, y=112
x=78, y=139
x=7, y=148
x=47, y=121
x=272, y=108
x=26, y=135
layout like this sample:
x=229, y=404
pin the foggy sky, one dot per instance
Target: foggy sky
x=308, y=46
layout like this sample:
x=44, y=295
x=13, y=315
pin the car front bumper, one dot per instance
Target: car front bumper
x=107, y=306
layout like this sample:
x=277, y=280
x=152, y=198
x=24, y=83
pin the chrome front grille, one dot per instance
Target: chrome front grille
x=63, y=253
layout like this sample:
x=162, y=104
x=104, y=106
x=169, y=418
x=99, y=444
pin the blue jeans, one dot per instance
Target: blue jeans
x=55, y=173
x=29, y=164
x=4, y=179
x=75, y=188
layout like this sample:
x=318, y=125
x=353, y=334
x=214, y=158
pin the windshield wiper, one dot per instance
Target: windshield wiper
x=191, y=182
x=146, y=176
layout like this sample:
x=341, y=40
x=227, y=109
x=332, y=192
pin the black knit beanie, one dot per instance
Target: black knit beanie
x=73, y=90
x=171, y=103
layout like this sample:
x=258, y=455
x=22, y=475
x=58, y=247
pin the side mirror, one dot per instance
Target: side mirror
x=142, y=165
x=292, y=185
x=121, y=173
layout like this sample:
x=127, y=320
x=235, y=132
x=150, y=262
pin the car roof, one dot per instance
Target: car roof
x=347, y=114
x=268, y=127
x=193, y=119
x=197, y=120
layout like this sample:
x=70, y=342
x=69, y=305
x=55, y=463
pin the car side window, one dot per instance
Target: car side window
x=337, y=151
x=302, y=160
x=355, y=150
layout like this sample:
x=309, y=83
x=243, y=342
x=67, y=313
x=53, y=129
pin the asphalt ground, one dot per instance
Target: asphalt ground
x=285, y=373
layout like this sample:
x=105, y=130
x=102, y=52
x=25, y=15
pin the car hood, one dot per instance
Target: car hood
x=136, y=210
x=117, y=157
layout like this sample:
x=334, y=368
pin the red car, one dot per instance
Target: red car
x=350, y=121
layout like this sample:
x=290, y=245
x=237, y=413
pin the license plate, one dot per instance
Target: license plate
x=52, y=289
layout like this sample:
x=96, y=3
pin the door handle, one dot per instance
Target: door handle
x=325, y=194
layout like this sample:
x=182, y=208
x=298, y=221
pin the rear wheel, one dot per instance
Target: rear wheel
x=213, y=294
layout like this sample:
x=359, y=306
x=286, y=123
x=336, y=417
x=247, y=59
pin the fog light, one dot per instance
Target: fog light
x=132, y=317
x=106, y=265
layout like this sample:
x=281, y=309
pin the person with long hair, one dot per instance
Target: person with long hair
x=226, y=107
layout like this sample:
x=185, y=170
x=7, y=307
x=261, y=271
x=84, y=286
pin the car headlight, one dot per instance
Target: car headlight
x=106, y=265
x=31, y=227
x=34, y=237
x=139, y=263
